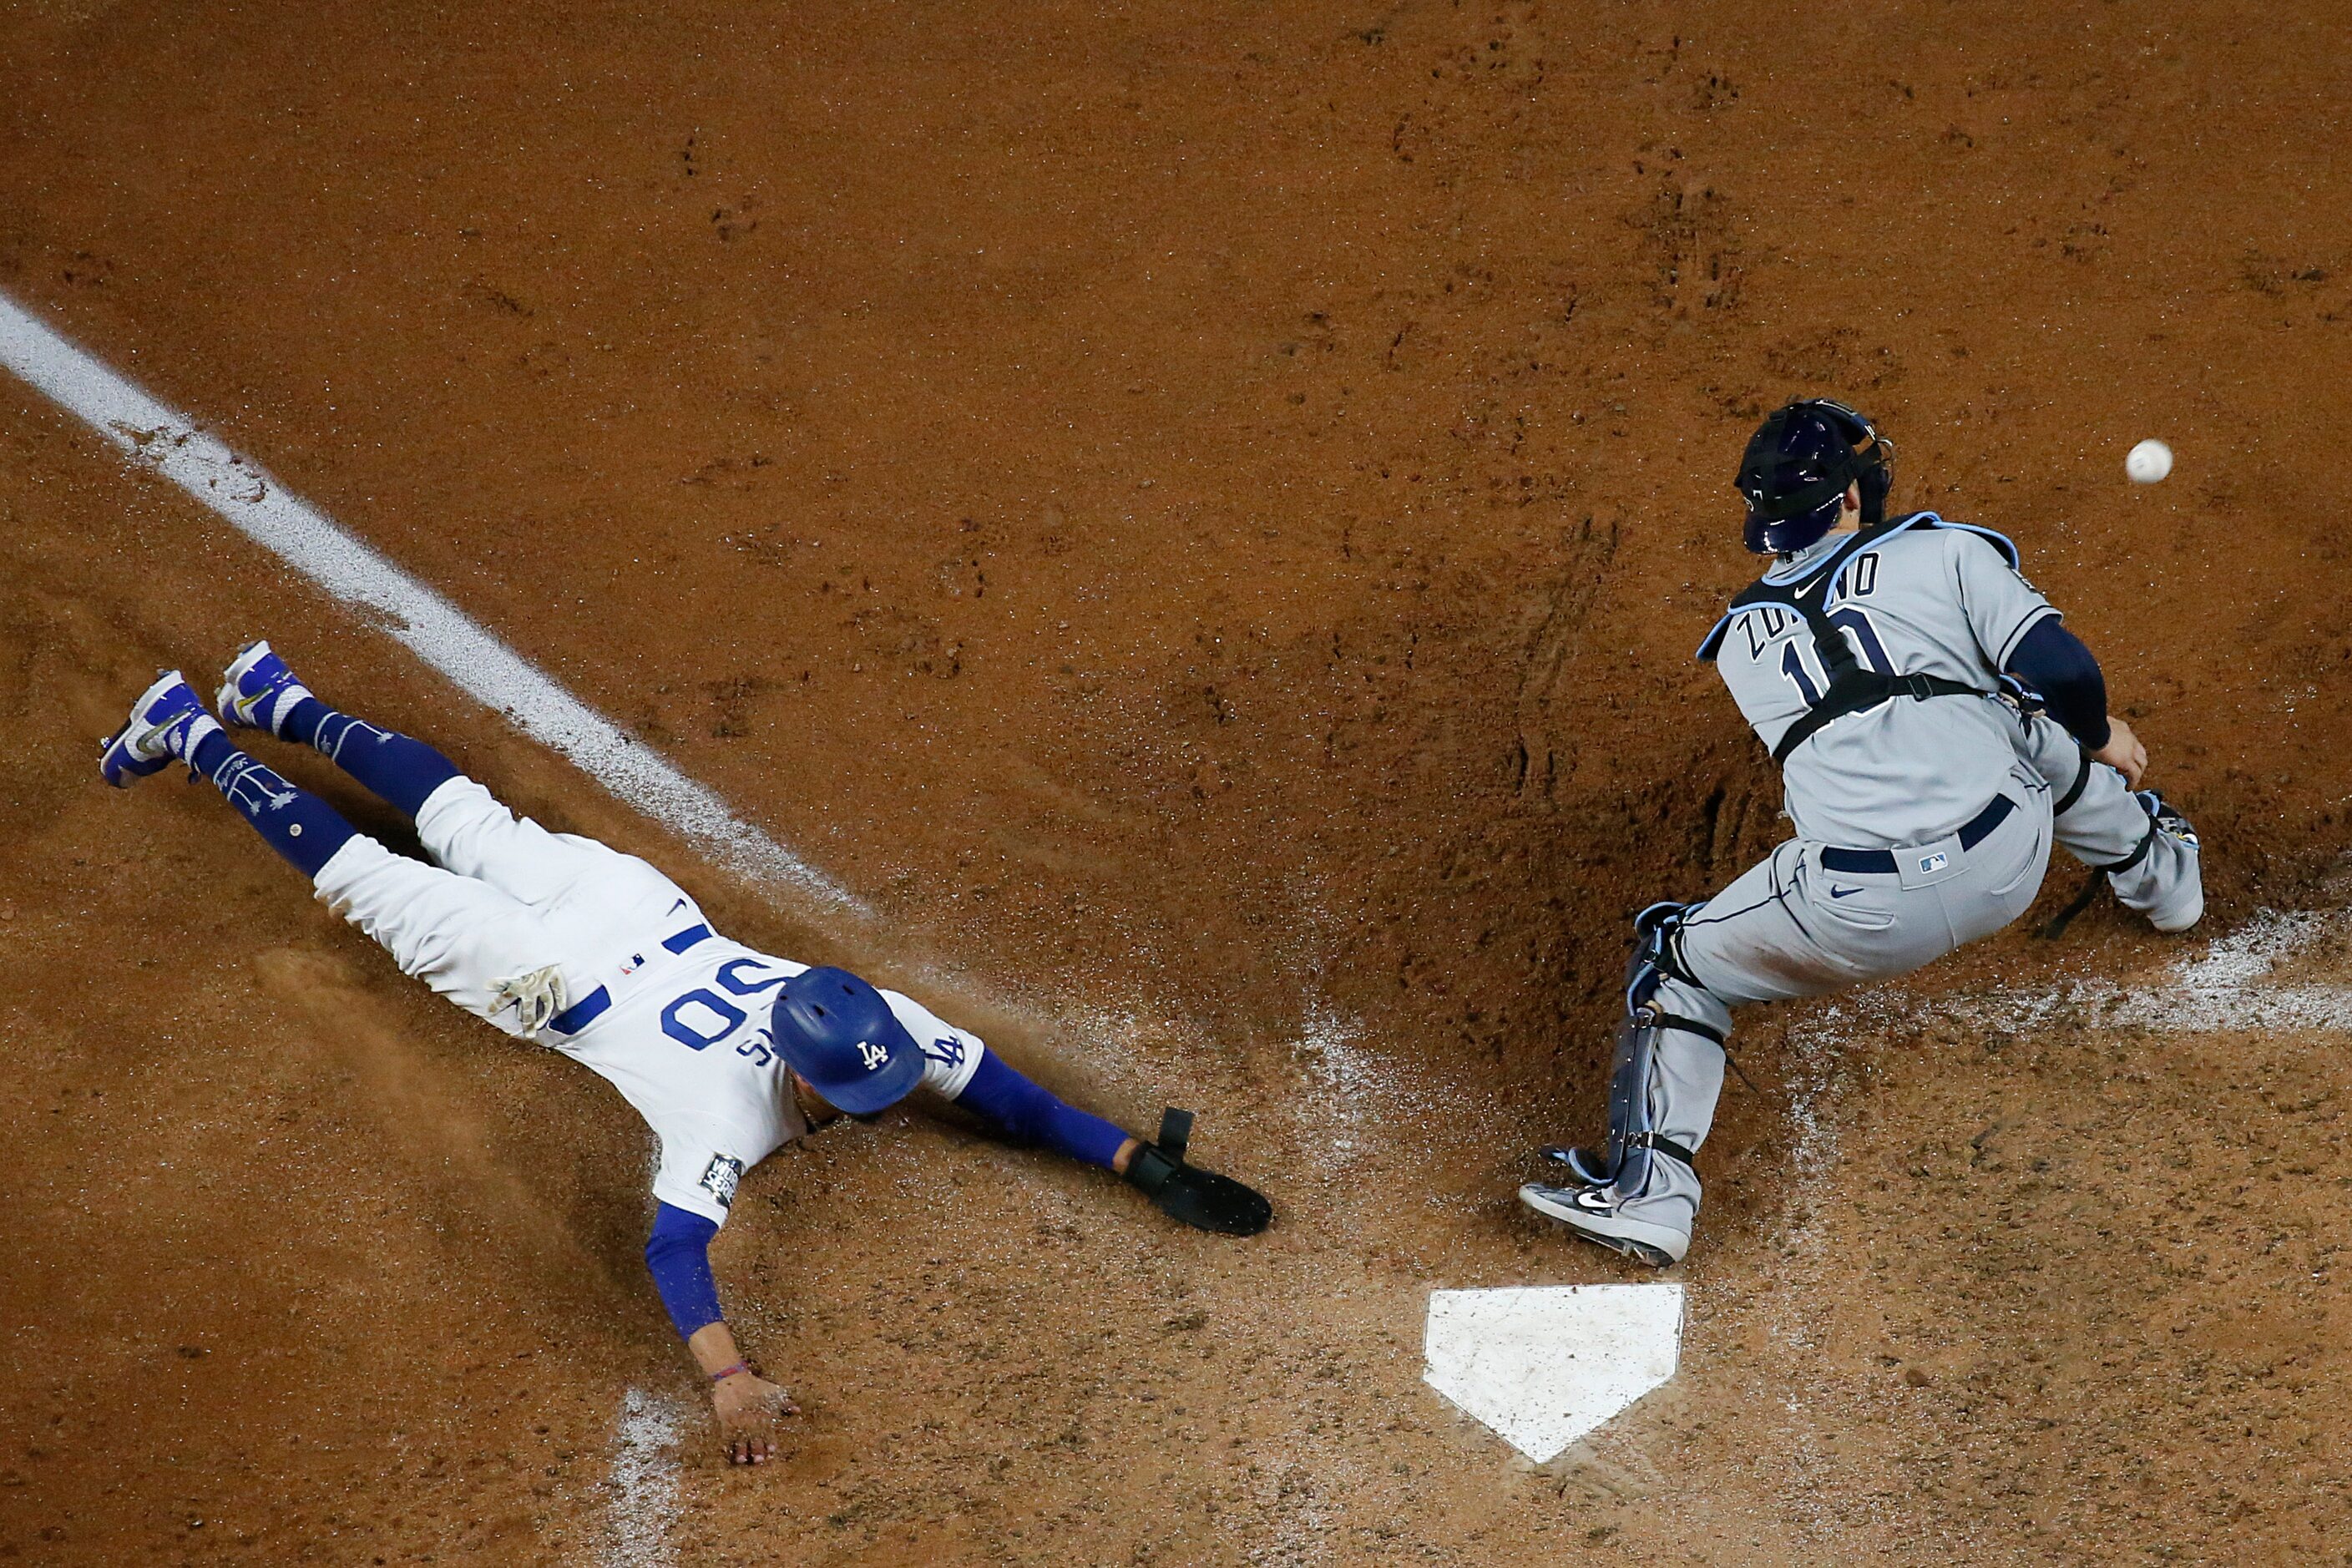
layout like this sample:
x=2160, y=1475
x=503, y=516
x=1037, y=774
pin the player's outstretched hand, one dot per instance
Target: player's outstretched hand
x=2123, y=752
x=1201, y=1199
x=748, y=1406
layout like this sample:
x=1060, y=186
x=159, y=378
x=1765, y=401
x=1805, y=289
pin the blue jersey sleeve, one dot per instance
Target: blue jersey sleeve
x=678, y=1256
x=2054, y=663
x=1021, y=1112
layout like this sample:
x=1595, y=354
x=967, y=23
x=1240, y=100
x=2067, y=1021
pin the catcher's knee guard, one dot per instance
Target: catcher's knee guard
x=1624, y=1161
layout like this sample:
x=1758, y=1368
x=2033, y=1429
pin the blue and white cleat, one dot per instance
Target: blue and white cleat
x=259, y=688
x=166, y=722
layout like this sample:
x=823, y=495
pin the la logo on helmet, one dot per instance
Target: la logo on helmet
x=872, y=1054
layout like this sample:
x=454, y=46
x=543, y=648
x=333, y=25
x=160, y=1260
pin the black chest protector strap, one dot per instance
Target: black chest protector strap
x=1853, y=688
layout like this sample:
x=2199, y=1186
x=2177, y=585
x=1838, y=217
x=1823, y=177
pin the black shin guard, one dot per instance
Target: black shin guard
x=1624, y=1161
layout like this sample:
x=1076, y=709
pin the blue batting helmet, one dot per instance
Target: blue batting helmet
x=1796, y=469
x=835, y=1031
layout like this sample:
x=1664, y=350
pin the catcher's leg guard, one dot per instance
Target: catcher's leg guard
x=2162, y=877
x=1668, y=1064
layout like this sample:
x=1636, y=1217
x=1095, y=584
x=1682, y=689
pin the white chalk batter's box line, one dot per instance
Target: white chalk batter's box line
x=2233, y=984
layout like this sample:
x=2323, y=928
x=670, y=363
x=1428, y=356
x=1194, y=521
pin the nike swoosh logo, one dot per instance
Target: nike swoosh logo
x=1843, y=892
x=677, y=906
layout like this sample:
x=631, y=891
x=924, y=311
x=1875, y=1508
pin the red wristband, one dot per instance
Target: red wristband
x=728, y=1371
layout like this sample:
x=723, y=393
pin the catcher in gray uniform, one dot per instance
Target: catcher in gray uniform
x=1936, y=728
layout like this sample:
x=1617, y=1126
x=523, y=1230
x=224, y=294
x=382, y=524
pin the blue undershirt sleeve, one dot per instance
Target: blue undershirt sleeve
x=2053, y=662
x=678, y=1256
x=1019, y=1112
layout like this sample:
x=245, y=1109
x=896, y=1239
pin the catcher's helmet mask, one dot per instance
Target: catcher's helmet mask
x=1796, y=469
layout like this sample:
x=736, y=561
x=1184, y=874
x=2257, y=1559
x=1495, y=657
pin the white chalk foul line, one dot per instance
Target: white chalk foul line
x=642, y=1501
x=159, y=439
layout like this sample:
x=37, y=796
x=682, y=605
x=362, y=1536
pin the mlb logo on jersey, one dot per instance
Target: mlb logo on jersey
x=1935, y=862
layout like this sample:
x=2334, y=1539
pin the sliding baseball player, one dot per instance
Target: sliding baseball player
x=726, y=1052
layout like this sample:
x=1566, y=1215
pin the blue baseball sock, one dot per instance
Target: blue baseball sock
x=396, y=768
x=298, y=823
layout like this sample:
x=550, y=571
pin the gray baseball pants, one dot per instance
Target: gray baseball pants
x=1788, y=928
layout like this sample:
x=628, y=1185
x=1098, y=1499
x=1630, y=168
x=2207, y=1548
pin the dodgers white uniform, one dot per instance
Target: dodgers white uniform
x=671, y=1013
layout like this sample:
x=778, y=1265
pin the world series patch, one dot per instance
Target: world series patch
x=719, y=1178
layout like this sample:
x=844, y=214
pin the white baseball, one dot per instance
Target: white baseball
x=2148, y=462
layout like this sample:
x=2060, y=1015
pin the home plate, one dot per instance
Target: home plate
x=1544, y=1364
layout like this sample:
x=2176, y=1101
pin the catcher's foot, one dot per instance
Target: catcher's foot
x=259, y=690
x=166, y=722
x=2173, y=824
x=1596, y=1213
x=2167, y=817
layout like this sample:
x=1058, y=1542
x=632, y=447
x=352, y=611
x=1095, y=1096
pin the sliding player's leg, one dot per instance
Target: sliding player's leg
x=461, y=825
x=472, y=944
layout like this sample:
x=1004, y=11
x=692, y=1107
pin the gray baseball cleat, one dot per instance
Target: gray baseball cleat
x=1598, y=1214
x=2167, y=817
